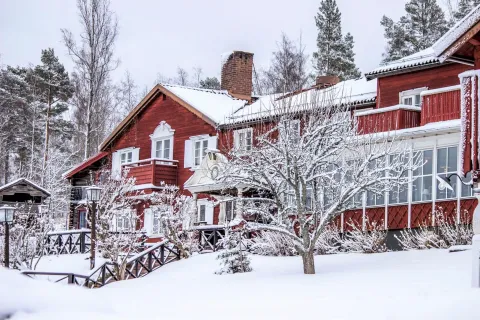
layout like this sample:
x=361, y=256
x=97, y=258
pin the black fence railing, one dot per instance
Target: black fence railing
x=210, y=239
x=67, y=242
x=138, y=266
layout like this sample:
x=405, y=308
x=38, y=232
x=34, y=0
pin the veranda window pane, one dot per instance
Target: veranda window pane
x=452, y=159
x=427, y=188
x=442, y=161
x=417, y=189
x=428, y=160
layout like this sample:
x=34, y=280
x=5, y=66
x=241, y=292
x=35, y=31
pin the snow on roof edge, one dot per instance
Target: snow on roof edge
x=5, y=186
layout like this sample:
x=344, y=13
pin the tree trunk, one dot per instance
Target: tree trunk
x=308, y=263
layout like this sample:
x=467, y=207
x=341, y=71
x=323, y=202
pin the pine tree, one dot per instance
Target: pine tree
x=335, y=53
x=210, y=83
x=233, y=257
x=423, y=24
x=464, y=7
x=53, y=90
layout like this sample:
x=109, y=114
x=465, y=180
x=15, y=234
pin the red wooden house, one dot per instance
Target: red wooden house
x=419, y=97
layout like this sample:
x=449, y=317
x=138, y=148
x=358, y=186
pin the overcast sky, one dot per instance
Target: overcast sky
x=156, y=36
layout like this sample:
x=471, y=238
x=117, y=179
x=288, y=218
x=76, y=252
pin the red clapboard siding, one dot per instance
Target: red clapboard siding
x=389, y=88
x=441, y=107
x=185, y=124
x=386, y=121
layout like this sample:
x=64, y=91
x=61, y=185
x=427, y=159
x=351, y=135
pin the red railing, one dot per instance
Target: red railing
x=153, y=171
x=387, y=119
x=440, y=105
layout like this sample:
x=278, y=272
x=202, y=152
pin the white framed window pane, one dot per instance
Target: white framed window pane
x=166, y=149
x=202, y=212
x=417, y=100
x=407, y=101
x=158, y=149
x=417, y=190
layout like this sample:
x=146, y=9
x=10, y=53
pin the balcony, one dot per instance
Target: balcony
x=387, y=119
x=153, y=172
x=440, y=105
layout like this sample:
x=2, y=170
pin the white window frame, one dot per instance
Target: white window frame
x=423, y=176
x=290, y=123
x=407, y=94
x=202, y=139
x=443, y=173
x=237, y=143
x=162, y=150
x=233, y=207
x=125, y=153
x=125, y=216
x=161, y=133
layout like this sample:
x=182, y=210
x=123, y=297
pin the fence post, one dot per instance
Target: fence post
x=215, y=240
x=70, y=239
x=60, y=243
x=103, y=274
x=150, y=262
x=162, y=254
x=47, y=244
x=82, y=242
x=71, y=278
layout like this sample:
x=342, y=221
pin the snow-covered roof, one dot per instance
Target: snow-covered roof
x=24, y=181
x=350, y=92
x=419, y=59
x=455, y=33
x=215, y=104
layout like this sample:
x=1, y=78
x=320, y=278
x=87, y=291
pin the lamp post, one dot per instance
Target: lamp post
x=93, y=195
x=6, y=217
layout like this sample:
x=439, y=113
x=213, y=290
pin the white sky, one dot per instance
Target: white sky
x=157, y=36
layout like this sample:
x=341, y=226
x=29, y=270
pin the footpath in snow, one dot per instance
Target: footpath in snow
x=430, y=284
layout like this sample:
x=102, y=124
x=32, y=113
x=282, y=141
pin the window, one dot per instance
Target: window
x=83, y=220
x=375, y=198
x=230, y=210
x=422, y=183
x=447, y=163
x=243, y=139
x=162, y=141
x=411, y=97
x=156, y=223
x=163, y=149
x=125, y=221
x=201, y=212
x=399, y=192
x=357, y=198
x=126, y=157
x=200, y=151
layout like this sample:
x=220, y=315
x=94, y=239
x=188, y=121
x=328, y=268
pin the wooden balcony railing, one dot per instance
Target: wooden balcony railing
x=153, y=171
x=440, y=105
x=388, y=119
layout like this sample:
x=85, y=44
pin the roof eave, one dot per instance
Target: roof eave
x=371, y=76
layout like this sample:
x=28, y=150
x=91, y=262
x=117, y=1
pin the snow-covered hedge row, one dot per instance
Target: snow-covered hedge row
x=443, y=235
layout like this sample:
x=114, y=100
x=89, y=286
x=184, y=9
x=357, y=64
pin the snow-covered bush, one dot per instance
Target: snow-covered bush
x=444, y=235
x=268, y=243
x=233, y=258
x=329, y=242
x=176, y=213
x=372, y=240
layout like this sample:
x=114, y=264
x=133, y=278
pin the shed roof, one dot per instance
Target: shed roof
x=23, y=181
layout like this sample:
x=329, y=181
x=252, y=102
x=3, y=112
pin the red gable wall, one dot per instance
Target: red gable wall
x=389, y=88
x=184, y=122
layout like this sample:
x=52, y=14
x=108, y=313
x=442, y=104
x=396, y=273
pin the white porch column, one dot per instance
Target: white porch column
x=194, y=208
x=239, y=206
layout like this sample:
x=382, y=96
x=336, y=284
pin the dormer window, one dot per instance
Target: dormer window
x=162, y=142
x=412, y=97
x=201, y=147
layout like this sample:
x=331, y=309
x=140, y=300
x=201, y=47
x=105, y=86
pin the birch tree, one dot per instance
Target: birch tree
x=307, y=165
x=93, y=57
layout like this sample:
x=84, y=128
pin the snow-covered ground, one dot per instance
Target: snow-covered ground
x=432, y=284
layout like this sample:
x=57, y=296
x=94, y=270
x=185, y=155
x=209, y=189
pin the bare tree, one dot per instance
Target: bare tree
x=288, y=68
x=197, y=76
x=93, y=57
x=117, y=234
x=126, y=97
x=182, y=77
x=306, y=164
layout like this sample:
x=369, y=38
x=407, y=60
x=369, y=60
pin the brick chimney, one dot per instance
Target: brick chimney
x=237, y=68
x=326, y=81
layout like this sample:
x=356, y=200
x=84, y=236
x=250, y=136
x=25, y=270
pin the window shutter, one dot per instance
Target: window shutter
x=209, y=213
x=116, y=166
x=188, y=160
x=212, y=142
x=135, y=154
x=148, y=221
